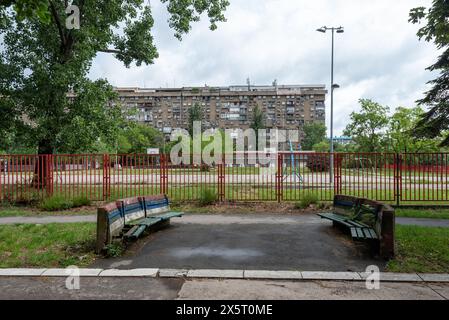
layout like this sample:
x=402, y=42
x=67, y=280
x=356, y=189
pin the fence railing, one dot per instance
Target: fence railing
x=396, y=178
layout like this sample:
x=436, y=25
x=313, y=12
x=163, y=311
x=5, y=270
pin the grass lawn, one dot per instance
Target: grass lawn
x=421, y=249
x=423, y=213
x=52, y=245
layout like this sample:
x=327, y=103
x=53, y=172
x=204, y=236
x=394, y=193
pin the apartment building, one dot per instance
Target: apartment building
x=284, y=106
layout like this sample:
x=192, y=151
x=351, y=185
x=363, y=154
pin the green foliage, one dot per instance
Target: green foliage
x=80, y=201
x=137, y=138
x=50, y=102
x=195, y=114
x=114, y=250
x=435, y=122
x=400, y=132
x=58, y=202
x=323, y=146
x=307, y=200
x=55, y=203
x=314, y=134
x=373, y=130
x=367, y=127
x=258, y=121
x=208, y=197
x=28, y=9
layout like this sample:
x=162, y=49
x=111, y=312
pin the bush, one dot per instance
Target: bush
x=318, y=162
x=307, y=200
x=55, y=203
x=208, y=197
x=81, y=201
x=114, y=250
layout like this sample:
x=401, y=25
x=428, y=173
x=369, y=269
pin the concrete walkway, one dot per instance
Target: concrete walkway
x=47, y=220
x=203, y=218
x=120, y=288
x=423, y=222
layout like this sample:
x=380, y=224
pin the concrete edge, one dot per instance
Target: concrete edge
x=228, y=274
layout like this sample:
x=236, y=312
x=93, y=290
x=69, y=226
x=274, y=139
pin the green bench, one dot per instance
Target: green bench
x=365, y=220
x=129, y=218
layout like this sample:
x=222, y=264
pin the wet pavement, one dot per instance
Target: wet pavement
x=259, y=242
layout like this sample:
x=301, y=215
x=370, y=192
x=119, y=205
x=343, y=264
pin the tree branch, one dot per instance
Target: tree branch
x=58, y=23
x=111, y=51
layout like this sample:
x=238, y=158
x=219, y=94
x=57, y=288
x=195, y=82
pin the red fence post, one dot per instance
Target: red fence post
x=49, y=174
x=221, y=180
x=398, y=179
x=336, y=174
x=106, y=177
x=163, y=174
x=279, y=178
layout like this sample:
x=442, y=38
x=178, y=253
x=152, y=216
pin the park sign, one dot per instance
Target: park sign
x=153, y=151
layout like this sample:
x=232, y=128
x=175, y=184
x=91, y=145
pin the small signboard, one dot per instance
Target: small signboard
x=153, y=151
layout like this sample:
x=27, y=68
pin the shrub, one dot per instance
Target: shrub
x=318, y=162
x=81, y=201
x=208, y=197
x=307, y=200
x=55, y=203
x=114, y=250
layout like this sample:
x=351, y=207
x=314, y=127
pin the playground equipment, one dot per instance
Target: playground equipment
x=295, y=170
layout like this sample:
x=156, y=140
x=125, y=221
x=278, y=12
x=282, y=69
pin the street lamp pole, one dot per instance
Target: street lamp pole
x=333, y=86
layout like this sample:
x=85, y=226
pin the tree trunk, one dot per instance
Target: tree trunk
x=41, y=167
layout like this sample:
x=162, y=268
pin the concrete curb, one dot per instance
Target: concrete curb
x=230, y=274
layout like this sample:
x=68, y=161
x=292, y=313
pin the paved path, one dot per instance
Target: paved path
x=47, y=220
x=30, y=288
x=202, y=219
x=423, y=222
x=258, y=242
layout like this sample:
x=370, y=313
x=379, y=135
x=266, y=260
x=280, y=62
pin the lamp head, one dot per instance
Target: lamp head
x=322, y=30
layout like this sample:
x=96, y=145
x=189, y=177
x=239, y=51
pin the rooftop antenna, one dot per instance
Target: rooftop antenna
x=248, y=82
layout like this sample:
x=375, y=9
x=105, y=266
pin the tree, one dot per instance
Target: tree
x=137, y=138
x=400, y=132
x=258, y=123
x=435, y=122
x=367, y=127
x=195, y=115
x=314, y=133
x=27, y=9
x=41, y=63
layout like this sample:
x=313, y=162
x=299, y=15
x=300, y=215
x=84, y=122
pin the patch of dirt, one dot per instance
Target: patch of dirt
x=251, y=208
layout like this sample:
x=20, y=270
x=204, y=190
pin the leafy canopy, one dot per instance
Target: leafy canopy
x=42, y=61
x=435, y=122
x=314, y=133
x=367, y=126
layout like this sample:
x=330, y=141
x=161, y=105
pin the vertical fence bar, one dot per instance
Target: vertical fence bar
x=398, y=178
x=106, y=177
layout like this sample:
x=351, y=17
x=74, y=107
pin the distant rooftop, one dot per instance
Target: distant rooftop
x=234, y=88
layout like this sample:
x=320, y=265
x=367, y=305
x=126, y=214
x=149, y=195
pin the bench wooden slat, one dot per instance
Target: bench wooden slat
x=367, y=233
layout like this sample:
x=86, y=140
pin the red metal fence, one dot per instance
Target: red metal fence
x=396, y=178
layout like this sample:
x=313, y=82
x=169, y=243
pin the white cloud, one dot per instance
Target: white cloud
x=378, y=57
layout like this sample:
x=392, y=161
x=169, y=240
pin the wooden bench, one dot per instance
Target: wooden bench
x=365, y=220
x=129, y=218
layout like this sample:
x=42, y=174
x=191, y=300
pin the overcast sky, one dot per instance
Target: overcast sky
x=378, y=57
